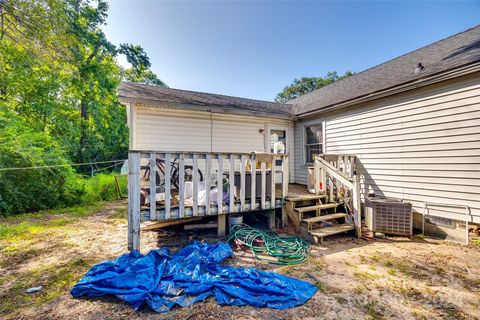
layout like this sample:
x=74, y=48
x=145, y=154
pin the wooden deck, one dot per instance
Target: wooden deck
x=235, y=183
x=296, y=191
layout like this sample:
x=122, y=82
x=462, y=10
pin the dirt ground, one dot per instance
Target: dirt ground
x=392, y=278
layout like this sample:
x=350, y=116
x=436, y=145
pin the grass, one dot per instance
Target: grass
x=372, y=312
x=365, y=276
x=23, y=240
x=476, y=242
x=322, y=287
x=55, y=280
x=29, y=225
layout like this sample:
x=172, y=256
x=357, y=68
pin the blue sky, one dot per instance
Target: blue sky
x=254, y=49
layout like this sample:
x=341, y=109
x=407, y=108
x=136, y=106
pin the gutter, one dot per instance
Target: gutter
x=415, y=84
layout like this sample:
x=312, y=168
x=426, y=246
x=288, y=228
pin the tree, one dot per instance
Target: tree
x=307, y=84
x=59, y=81
x=140, y=71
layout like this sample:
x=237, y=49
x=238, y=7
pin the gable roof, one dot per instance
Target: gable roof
x=459, y=50
x=201, y=101
x=452, y=53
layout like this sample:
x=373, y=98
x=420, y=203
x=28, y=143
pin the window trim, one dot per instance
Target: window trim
x=304, y=142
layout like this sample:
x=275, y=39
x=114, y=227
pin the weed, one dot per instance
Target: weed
x=359, y=289
x=365, y=276
x=340, y=299
x=375, y=257
x=392, y=272
x=55, y=279
x=321, y=286
x=372, y=312
x=28, y=226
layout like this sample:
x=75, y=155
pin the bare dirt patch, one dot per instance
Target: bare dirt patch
x=399, y=278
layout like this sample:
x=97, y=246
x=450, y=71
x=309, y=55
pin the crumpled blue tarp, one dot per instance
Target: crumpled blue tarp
x=162, y=280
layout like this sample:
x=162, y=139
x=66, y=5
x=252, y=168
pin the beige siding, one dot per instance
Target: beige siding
x=421, y=146
x=180, y=130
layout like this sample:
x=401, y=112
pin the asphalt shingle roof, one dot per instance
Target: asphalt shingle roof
x=154, y=94
x=450, y=53
x=455, y=51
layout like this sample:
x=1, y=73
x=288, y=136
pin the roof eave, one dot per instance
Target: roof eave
x=203, y=108
x=417, y=83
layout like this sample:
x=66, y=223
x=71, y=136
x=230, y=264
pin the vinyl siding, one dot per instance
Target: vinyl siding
x=162, y=129
x=420, y=146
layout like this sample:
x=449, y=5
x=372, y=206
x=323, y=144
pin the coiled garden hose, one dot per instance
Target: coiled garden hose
x=284, y=250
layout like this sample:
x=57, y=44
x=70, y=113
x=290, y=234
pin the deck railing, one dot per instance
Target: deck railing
x=336, y=177
x=175, y=185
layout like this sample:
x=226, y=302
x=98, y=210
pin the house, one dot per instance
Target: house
x=408, y=128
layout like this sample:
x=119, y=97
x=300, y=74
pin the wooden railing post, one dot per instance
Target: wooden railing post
x=168, y=177
x=208, y=166
x=285, y=178
x=253, y=180
x=219, y=184
x=133, y=201
x=317, y=176
x=231, y=183
x=153, y=186
x=181, y=185
x=357, y=214
x=263, y=166
x=272, y=183
x=242, y=182
x=195, y=185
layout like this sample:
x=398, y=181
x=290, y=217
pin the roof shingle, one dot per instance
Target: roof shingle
x=450, y=53
x=154, y=94
x=455, y=51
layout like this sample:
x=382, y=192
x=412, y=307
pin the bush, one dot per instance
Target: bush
x=27, y=190
x=100, y=187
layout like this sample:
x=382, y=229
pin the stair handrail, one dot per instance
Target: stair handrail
x=321, y=167
x=335, y=172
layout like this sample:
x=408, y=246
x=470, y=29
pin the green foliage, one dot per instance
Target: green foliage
x=34, y=189
x=139, y=72
x=102, y=187
x=307, y=84
x=59, y=79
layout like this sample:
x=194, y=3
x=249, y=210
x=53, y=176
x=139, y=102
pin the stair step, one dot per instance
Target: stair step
x=328, y=231
x=325, y=217
x=305, y=197
x=316, y=207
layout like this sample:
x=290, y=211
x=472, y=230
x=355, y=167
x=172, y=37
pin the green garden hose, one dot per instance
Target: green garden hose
x=284, y=250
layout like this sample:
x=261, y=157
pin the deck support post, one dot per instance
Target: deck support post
x=271, y=219
x=357, y=214
x=221, y=225
x=133, y=201
x=285, y=180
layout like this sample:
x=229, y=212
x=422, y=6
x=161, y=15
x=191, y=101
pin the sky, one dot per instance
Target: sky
x=254, y=49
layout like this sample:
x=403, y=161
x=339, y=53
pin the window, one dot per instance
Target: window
x=313, y=142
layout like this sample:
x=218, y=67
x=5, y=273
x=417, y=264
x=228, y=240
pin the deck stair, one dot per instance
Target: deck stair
x=309, y=212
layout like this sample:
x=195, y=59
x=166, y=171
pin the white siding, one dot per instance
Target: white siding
x=162, y=129
x=421, y=146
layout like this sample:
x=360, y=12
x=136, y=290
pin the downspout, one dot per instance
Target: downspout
x=211, y=131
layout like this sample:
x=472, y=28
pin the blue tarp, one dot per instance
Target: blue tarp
x=162, y=280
